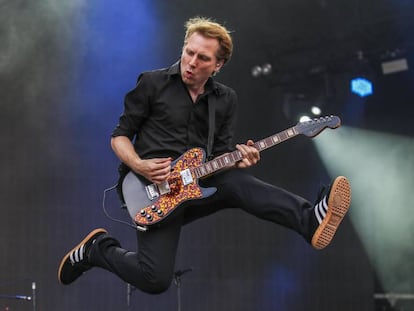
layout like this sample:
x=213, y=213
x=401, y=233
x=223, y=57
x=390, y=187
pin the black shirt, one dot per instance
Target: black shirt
x=162, y=120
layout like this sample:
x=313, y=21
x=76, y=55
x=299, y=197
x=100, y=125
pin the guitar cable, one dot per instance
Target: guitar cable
x=106, y=212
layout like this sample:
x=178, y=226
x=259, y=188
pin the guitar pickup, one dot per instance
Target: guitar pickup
x=164, y=187
x=154, y=191
x=186, y=177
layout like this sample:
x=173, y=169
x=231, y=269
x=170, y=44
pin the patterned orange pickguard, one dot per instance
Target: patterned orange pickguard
x=179, y=193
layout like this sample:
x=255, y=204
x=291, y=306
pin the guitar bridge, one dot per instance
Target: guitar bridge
x=152, y=191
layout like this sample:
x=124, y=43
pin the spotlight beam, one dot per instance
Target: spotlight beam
x=380, y=168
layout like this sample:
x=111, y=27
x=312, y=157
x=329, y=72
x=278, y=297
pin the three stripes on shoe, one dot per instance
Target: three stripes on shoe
x=320, y=210
x=77, y=255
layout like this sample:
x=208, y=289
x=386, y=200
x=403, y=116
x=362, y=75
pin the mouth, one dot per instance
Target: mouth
x=188, y=74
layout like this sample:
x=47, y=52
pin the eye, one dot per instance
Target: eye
x=204, y=58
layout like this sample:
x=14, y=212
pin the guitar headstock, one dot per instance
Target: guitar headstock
x=315, y=126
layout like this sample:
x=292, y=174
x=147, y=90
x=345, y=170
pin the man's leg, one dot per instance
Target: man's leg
x=238, y=189
x=150, y=269
x=317, y=223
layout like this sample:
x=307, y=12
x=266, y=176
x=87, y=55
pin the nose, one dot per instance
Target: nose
x=193, y=61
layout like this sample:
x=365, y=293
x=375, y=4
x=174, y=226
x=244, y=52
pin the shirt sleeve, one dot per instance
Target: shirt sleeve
x=136, y=108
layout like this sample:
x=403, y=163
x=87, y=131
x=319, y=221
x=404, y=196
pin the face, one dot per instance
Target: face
x=198, y=60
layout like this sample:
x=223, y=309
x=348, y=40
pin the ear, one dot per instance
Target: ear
x=219, y=65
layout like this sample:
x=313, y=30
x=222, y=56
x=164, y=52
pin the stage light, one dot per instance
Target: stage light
x=256, y=71
x=301, y=107
x=316, y=111
x=261, y=70
x=393, y=61
x=266, y=69
x=394, y=66
x=362, y=87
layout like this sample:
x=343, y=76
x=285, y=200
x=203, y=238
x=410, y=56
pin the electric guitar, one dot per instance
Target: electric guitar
x=149, y=203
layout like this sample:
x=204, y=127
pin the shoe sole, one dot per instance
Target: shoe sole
x=87, y=238
x=338, y=205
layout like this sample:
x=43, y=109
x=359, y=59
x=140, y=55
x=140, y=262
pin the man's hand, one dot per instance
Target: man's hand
x=250, y=154
x=155, y=170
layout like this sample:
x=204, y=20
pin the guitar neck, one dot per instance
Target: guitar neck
x=229, y=159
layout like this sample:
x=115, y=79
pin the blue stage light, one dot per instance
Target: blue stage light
x=362, y=87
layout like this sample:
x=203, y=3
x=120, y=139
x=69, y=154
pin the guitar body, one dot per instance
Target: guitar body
x=148, y=204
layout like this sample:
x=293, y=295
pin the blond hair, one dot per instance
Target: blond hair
x=210, y=29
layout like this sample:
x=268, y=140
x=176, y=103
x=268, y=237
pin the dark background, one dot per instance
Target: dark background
x=64, y=69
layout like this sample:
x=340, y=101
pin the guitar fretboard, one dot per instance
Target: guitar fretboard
x=231, y=158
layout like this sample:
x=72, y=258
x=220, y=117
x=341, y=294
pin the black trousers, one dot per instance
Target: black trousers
x=151, y=268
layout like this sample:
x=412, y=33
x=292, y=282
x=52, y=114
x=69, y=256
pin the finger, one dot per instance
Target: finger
x=160, y=166
x=243, y=149
x=245, y=154
x=255, y=154
x=249, y=152
x=247, y=162
x=157, y=165
x=244, y=163
x=162, y=160
x=161, y=173
x=159, y=178
x=250, y=142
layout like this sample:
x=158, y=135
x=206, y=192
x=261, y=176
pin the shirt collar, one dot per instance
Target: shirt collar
x=174, y=69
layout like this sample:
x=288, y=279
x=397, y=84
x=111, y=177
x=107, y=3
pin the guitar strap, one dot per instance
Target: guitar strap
x=211, y=124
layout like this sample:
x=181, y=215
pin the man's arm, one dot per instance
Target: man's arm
x=155, y=170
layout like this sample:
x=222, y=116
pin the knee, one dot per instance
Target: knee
x=159, y=286
x=154, y=284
